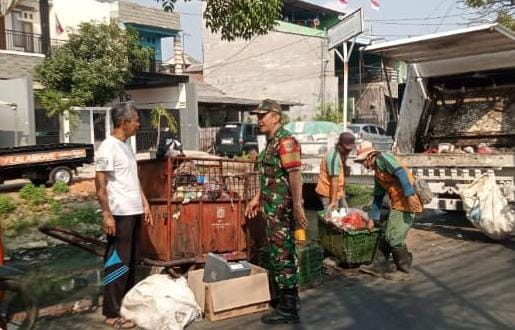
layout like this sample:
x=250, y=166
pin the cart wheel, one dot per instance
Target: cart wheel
x=62, y=174
x=24, y=300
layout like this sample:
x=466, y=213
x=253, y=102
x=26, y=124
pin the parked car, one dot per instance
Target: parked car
x=373, y=133
x=236, y=138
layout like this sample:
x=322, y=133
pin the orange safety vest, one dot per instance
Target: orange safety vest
x=393, y=187
x=323, y=185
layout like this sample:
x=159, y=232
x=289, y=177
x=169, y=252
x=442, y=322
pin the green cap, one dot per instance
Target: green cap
x=266, y=106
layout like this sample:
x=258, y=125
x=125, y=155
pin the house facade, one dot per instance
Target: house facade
x=20, y=51
x=290, y=63
x=154, y=85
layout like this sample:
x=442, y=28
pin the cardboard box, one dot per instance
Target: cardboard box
x=231, y=298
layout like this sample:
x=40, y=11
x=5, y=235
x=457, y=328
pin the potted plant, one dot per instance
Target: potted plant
x=157, y=115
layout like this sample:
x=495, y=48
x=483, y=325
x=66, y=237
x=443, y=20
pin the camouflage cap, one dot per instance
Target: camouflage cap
x=266, y=106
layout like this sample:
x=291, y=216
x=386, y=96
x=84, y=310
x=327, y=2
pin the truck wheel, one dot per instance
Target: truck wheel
x=62, y=174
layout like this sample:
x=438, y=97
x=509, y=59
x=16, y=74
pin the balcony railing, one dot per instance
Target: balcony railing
x=372, y=74
x=155, y=66
x=26, y=42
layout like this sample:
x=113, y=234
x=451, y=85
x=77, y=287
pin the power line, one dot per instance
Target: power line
x=450, y=7
x=416, y=24
x=421, y=18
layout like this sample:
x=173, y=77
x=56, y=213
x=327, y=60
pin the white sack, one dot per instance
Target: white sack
x=161, y=303
x=487, y=208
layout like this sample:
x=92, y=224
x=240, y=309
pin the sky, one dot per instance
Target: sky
x=395, y=19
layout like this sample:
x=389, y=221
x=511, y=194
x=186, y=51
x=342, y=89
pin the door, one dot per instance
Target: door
x=155, y=240
x=220, y=227
x=99, y=128
x=3, y=43
x=250, y=134
x=28, y=37
x=185, y=230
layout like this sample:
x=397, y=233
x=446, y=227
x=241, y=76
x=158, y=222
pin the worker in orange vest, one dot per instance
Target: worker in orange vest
x=394, y=179
x=331, y=182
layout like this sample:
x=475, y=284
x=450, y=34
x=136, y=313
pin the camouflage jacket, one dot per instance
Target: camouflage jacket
x=282, y=154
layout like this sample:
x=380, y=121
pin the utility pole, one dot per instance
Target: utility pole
x=322, y=77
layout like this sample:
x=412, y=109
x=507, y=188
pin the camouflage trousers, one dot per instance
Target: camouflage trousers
x=280, y=250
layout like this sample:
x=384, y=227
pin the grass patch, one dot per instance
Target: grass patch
x=33, y=195
x=7, y=205
x=84, y=219
x=60, y=187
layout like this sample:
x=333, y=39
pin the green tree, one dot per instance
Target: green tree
x=237, y=18
x=503, y=9
x=328, y=112
x=91, y=68
x=155, y=120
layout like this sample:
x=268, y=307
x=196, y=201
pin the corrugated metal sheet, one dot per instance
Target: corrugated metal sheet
x=484, y=39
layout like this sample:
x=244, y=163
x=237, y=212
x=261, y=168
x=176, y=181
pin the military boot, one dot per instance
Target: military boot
x=403, y=260
x=286, y=310
x=380, y=261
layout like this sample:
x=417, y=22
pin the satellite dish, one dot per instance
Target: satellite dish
x=6, y=6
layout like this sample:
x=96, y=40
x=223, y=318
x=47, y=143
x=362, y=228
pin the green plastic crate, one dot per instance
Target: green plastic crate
x=350, y=247
x=309, y=261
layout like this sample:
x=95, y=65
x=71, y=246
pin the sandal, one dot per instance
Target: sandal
x=121, y=323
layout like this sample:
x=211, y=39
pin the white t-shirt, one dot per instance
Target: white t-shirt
x=123, y=187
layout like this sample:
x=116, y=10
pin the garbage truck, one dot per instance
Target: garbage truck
x=456, y=119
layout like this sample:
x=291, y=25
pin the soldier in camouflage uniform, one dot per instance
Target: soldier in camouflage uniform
x=281, y=198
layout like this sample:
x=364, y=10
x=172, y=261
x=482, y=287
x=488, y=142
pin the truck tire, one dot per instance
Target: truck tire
x=61, y=173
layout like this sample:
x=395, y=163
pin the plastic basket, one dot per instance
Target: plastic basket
x=309, y=263
x=350, y=247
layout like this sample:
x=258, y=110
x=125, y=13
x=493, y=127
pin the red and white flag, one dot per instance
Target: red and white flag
x=58, y=27
x=374, y=4
x=343, y=2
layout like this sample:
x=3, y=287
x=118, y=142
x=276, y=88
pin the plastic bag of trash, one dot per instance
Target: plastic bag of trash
x=487, y=208
x=160, y=302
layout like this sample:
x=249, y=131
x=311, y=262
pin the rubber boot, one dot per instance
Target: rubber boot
x=403, y=260
x=286, y=310
x=378, y=266
x=275, y=293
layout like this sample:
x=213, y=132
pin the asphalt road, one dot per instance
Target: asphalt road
x=462, y=280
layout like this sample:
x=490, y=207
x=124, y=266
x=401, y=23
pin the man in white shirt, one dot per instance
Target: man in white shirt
x=123, y=205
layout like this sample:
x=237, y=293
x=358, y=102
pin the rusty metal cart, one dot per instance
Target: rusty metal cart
x=198, y=207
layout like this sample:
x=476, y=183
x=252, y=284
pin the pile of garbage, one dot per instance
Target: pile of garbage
x=449, y=148
x=348, y=219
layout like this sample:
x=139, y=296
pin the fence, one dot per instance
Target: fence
x=208, y=138
x=371, y=74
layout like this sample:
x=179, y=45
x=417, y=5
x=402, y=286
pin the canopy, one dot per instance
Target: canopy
x=314, y=127
x=484, y=39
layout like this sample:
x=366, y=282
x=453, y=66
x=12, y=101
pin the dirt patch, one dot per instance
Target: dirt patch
x=83, y=186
